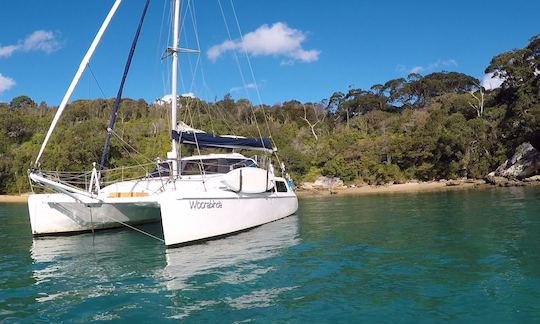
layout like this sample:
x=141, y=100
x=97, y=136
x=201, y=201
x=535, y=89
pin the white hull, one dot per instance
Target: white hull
x=192, y=208
x=59, y=213
x=189, y=219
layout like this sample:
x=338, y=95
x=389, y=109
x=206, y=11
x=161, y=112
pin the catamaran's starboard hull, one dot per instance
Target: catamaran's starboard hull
x=188, y=220
x=60, y=214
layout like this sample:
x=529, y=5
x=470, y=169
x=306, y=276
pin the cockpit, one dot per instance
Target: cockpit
x=204, y=165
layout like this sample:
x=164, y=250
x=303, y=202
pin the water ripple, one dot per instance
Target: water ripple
x=465, y=256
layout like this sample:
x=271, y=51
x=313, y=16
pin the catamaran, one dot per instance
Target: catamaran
x=195, y=197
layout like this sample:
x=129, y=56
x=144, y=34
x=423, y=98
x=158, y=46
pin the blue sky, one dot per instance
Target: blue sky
x=302, y=49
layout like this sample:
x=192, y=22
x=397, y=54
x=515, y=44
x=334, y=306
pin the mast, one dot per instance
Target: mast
x=112, y=120
x=173, y=155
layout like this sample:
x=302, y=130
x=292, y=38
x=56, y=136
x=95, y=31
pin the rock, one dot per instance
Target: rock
x=327, y=182
x=532, y=179
x=498, y=181
x=452, y=183
x=323, y=183
x=306, y=186
x=513, y=183
x=524, y=163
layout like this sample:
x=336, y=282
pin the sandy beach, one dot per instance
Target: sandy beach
x=410, y=187
x=13, y=198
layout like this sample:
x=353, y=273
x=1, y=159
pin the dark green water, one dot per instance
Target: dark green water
x=462, y=256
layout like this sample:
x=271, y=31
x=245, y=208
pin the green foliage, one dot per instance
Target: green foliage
x=22, y=102
x=338, y=167
x=419, y=127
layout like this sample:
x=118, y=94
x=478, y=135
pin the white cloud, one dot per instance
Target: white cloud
x=167, y=99
x=39, y=40
x=416, y=69
x=490, y=82
x=427, y=68
x=247, y=86
x=7, y=51
x=188, y=95
x=6, y=83
x=276, y=40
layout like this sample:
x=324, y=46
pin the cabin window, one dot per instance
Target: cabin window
x=213, y=166
x=191, y=168
x=231, y=164
x=281, y=186
x=163, y=169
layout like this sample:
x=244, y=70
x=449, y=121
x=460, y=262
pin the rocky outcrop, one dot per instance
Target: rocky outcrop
x=461, y=182
x=323, y=183
x=495, y=180
x=535, y=178
x=524, y=163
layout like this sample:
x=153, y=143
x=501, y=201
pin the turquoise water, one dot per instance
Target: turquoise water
x=462, y=256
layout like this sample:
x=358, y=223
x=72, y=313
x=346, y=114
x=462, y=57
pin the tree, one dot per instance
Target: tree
x=21, y=102
x=520, y=92
x=479, y=104
x=317, y=119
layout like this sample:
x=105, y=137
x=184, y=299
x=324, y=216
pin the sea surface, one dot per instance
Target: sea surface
x=462, y=256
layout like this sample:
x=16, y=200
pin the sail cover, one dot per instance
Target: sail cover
x=210, y=140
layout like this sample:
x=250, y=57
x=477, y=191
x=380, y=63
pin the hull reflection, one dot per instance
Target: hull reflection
x=234, y=251
x=107, y=255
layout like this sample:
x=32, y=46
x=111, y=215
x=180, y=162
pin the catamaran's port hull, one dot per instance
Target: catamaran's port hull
x=52, y=214
x=188, y=220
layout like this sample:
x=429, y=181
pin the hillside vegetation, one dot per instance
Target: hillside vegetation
x=441, y=125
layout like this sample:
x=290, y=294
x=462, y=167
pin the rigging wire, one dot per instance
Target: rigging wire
x=182, y=29
x=203, y=78
x=191, y=6
x=190, y=63
x=95, y=79
x=255, y=83
x=159, y=46
x=131, y=147
x=239, y=67
x=166, y=73
x=203, y=171
x=195, y=31
x=134, y=228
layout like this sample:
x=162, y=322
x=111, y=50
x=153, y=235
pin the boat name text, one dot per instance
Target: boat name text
x=210, y=204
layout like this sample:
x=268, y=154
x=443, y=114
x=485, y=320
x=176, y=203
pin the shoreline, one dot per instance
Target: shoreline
x=20, y=199
x=409, y=187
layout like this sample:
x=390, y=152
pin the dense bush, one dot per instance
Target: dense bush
x=422, y=127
